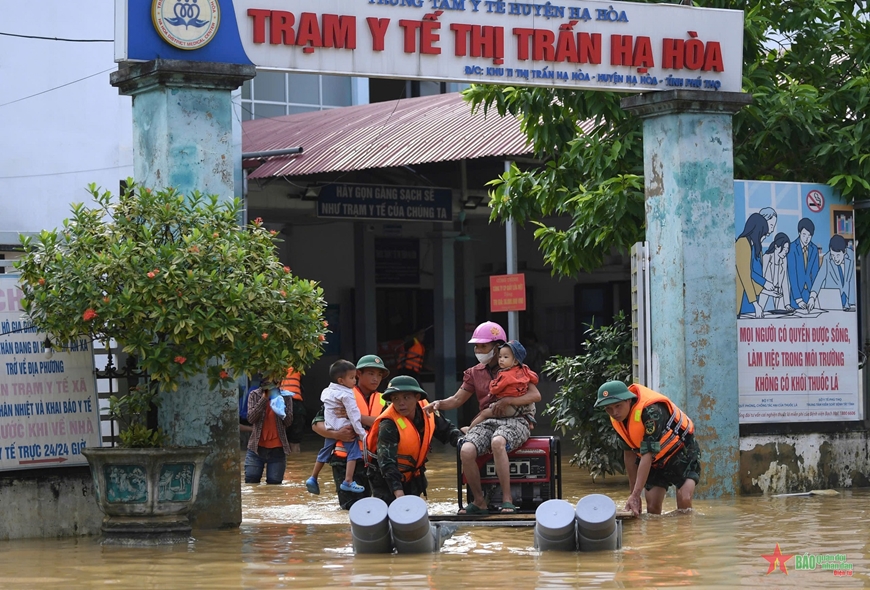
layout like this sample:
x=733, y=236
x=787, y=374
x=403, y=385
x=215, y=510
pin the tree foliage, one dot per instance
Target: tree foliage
x=607, y=358
x=177, y=282
x=807, y=67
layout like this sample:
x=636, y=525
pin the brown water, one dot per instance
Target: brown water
x=290, y=539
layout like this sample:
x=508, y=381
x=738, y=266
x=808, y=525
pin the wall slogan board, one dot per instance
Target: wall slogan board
x=796, y=298
x=49, y=409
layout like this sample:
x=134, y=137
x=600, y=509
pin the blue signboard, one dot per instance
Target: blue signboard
x=367, y=201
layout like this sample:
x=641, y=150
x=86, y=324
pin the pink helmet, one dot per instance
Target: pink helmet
x=487, y=332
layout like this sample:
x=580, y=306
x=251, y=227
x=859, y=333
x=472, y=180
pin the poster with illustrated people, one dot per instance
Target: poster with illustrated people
x=796, y=304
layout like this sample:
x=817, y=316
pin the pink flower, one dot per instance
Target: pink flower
x=89, y=314
x=180, y=360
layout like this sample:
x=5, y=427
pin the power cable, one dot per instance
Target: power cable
x=57, y=87
x=57, y=38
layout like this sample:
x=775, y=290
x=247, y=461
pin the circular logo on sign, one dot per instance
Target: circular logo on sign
x=186, y=24
x=815, y=201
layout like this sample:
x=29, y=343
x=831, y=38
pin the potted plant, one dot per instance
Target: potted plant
x=184, y=289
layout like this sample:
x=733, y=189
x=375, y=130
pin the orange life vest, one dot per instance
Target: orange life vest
x=674, y=436
x=293, y=383
x=412, y=359
x=412, y=450
x=373, y=407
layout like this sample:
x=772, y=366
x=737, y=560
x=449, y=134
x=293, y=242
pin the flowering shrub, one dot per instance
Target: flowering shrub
x=177, y=282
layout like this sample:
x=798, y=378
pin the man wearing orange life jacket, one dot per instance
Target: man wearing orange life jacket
x=370, y=372
x=659, y=444
x=291, y=387
x=399, y=441
x=411, y=362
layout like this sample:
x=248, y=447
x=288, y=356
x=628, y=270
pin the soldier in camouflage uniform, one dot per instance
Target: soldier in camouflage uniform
x=658, y=442
x=397, y=453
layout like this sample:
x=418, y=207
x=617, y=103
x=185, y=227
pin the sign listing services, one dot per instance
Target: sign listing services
x=48, y=406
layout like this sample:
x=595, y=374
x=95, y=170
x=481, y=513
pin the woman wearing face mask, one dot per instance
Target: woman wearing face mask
x=498, y=436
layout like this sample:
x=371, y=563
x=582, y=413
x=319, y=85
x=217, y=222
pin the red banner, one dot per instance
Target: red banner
x=507, y=293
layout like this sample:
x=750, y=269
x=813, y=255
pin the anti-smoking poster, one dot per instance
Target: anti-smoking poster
x=48, y=402
x=796, y=304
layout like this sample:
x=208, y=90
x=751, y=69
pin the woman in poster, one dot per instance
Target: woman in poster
x=750, y=274
x=775, y=271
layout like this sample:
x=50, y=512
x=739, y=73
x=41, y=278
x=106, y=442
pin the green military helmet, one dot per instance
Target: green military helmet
x=613, y=392
x=404, y=383
x=372, y=361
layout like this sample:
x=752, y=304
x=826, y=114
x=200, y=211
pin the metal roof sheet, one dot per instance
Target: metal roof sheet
x=382, y=135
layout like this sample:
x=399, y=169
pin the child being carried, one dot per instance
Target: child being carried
x=338, y=398
x=512, y=380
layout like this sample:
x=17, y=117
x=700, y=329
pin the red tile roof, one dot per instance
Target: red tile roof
x=382, y=135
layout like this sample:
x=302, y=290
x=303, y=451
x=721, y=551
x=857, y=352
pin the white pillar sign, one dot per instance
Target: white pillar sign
x=796, y=304
x=622, y=46
x=48, y=406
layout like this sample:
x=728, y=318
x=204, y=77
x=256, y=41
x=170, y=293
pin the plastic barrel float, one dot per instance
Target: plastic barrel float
x=370, y=526
x=597, y=527
x=412, y=532
x=555, y=526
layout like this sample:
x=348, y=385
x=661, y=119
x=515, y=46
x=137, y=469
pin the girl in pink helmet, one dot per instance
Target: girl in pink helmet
x=495, y=435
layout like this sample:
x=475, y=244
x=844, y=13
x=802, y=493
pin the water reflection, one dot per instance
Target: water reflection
x=291, y=539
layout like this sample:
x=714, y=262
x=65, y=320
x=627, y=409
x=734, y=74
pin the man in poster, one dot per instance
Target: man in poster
x=803, y=264
x=835, y=273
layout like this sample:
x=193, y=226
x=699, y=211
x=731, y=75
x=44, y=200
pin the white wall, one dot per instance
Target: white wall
x=63, y=126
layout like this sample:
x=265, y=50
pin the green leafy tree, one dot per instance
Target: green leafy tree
x=807, y=67
x=178, y=284
x=607, y=358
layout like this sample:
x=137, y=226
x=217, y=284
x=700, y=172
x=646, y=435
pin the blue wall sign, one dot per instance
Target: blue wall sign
x=367, y=201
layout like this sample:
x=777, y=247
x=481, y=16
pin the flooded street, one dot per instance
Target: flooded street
x=290, y=539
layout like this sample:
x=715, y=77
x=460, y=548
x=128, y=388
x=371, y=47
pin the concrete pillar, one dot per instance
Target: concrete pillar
x=445, y=313
x=182, y=138
x=365, y=294
x=689, y=187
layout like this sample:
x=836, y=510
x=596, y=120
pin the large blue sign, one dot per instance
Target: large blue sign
x=367, y=201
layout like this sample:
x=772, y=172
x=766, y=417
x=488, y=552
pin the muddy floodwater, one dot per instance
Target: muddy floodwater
x=290, y=539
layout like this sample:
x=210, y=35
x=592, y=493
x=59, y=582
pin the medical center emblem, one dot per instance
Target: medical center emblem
x=186, y=24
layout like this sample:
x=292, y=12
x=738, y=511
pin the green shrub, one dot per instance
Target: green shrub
x=179, y=284
x=608, y=357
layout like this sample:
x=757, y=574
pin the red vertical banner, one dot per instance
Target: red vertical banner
x=507, y=293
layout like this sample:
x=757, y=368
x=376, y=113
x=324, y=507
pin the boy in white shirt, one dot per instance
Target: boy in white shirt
x=339, y=397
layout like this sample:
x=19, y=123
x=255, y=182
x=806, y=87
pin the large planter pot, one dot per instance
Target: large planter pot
x=146, y=494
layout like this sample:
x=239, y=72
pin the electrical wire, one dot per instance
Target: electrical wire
x=57, y=38
x=57, y=87
x=69, y=172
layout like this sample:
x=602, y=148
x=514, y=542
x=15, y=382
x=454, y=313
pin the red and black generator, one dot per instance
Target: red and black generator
x=536, y=474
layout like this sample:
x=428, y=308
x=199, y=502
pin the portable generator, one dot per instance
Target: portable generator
x=536, y=474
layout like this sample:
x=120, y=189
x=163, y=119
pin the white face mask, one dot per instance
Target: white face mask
x=485, y=357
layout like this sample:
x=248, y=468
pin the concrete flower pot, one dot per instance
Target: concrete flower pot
x=146, y=494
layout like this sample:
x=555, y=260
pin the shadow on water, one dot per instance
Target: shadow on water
x=291, y=539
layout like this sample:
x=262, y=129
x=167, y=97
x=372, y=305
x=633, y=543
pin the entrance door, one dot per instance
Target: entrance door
x=401, y=312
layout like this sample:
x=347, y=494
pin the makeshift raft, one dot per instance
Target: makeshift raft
x=496, y=519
